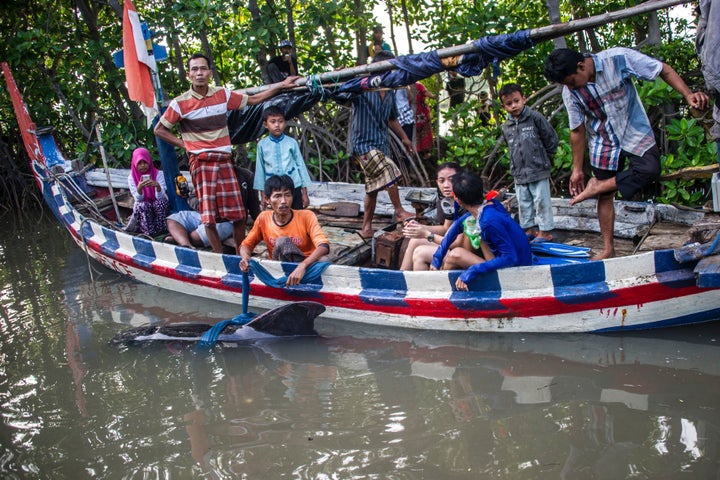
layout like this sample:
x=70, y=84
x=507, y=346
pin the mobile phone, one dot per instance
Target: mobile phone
x=144, y=177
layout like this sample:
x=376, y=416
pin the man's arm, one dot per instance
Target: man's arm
x=273, y=90
x=578, y=144
x=163, y=133
x=697, y=99
x=395, y=126
x=297, y=275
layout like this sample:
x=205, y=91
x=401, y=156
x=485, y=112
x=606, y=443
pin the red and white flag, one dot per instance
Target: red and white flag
x=138, y=63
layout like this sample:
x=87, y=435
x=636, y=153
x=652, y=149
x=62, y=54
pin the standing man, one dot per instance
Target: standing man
x=375, y=112
x=201, y=114
x=602, y=102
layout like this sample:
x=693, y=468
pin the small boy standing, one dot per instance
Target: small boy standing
x=532, y=143
x=278, y=154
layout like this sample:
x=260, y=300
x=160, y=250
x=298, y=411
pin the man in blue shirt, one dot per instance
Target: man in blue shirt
x=504, y=243
x=602, y=102
x=375, y=112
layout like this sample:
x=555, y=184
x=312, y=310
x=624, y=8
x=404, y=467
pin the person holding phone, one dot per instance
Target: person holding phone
x=147, y=186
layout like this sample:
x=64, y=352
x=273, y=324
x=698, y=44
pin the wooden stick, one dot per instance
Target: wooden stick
x=540, y=34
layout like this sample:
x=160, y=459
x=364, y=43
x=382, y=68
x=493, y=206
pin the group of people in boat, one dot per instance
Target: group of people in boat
x=474, y=231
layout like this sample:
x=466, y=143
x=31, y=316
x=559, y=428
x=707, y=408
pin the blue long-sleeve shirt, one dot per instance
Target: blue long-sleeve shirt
x=280, y=156
x=507, y=241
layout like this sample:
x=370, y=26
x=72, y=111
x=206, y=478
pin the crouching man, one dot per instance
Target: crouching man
x=290, y=235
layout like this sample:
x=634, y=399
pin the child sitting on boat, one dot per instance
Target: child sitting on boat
x=147, y=186
x=424, y=239
x=504, y=243
x=278, y=154
x=290, y=235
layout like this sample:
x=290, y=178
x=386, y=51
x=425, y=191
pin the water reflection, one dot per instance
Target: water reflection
x=356, y=402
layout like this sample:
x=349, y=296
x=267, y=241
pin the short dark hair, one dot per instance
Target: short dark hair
x=278, y=183
x=195, y=56
x=509, y=89
x=272, y=110
x=468, y=187
x=562, y=63
x=383, y=55
x=377, y=29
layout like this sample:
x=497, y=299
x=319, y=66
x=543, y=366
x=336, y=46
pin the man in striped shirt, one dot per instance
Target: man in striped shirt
x=201, y=115
x=374, y=113
x=602, y=102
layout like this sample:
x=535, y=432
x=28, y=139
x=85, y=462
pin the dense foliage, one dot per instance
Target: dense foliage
x=61, y=56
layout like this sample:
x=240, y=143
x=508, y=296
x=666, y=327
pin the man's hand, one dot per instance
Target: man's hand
x=460, y=285
x=244, y=263
x=296, y=275
x=577, y=182
x=698, y=100
x=289, y=82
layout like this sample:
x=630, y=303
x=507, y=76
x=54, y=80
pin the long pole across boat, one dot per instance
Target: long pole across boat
x=539, y=34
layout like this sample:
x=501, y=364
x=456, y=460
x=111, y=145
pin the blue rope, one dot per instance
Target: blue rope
x=210, y=338
x=711, y=248
x=313, y=274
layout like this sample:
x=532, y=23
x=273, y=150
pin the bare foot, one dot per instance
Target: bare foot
x=592, y=189
x=604, y=254
x=402, y=215
x=547, y=236
x=366, y=233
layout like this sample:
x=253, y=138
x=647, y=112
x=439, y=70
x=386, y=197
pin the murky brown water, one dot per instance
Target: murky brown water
x=358, y=402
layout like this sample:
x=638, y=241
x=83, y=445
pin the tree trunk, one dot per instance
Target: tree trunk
x=553, y=7
x=406, y=19
x=361, y=37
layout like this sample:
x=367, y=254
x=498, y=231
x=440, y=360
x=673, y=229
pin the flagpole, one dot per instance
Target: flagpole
x=540, y=34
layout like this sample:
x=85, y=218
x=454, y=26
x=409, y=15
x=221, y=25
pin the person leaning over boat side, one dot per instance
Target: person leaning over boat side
x=424, y=239
x=602, y=102
x=290, y=235
x=506, y=243
x=147, y=186
x=201, y=114
x=375, y=112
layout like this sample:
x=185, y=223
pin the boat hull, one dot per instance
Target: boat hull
x=649, y=290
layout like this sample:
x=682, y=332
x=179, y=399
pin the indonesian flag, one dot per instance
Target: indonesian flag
x=138, y=63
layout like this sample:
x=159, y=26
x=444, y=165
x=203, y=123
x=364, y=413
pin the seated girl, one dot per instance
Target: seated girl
x=424, y=239
x=147, y=185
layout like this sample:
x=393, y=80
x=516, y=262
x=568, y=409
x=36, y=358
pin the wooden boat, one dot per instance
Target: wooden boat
x=644, y=290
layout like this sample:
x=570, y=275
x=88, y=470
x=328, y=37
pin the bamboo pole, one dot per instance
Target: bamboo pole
x=540, y=34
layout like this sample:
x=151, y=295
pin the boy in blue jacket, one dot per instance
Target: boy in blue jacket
x=532, y=143
x=504, y=243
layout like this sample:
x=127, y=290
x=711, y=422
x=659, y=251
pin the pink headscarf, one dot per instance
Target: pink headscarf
x=144, y=155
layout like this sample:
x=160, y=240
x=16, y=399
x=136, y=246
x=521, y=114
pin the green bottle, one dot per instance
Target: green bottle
x=472, y=230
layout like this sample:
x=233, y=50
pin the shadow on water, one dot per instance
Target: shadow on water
x=356, y=402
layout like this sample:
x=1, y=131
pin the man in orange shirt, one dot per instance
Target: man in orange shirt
x=290, y=235
x=201, y=114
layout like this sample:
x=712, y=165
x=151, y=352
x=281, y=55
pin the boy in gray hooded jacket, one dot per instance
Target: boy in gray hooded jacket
x=532, y=143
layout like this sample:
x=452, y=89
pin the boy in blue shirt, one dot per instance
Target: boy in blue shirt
x=503, y=245
x=278, y=154
x=532, y=143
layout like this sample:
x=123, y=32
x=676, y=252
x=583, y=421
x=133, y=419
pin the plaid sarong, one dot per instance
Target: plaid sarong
x=380, y=171
x=216, y=187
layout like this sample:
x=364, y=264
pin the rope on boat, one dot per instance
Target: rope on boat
x=313, y=274
x=210, y=338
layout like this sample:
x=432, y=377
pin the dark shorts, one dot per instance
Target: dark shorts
x=642, y=171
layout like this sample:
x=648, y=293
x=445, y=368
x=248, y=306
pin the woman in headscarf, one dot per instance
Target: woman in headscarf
x=147, y=185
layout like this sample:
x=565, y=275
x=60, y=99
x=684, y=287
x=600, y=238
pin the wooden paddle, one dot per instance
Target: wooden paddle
x=337, y=209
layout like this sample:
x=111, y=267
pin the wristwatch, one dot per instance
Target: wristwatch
x=431, y=237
